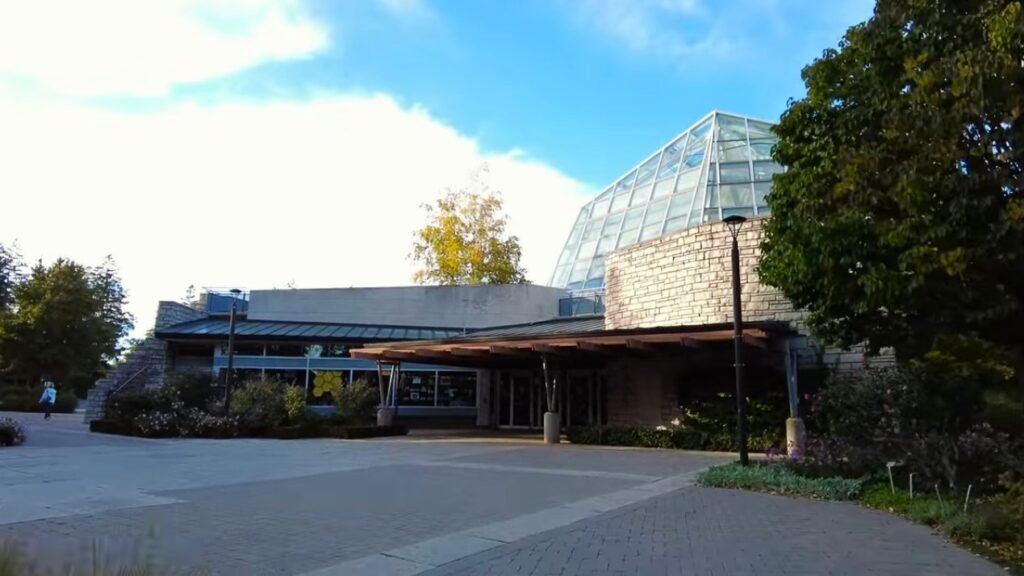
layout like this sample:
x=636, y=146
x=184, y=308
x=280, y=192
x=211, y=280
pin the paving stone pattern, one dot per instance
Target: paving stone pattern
x=706, y=531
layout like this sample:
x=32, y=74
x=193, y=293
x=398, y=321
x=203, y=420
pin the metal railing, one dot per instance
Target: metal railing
x=581, y=303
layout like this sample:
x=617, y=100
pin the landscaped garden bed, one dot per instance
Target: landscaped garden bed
x=11, y=432
x=188, y=407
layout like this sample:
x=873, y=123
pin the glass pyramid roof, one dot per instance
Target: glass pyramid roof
x=720, y=166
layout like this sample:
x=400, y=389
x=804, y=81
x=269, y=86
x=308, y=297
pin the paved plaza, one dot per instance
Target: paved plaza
x=429, y=505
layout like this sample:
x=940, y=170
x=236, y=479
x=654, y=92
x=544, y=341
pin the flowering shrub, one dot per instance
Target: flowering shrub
x=356, y=403
x=11, y=432
x=294, y=403
x=259, y=405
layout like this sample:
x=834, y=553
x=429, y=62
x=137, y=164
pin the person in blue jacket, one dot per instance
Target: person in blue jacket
x=48, y=399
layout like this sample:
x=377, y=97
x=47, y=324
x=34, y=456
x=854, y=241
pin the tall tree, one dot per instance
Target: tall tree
x=10, y=274
x=900, y=219
x=66, y=322
x=464, y=241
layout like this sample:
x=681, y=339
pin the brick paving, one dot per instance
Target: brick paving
x=443, y=508
x=707, y=531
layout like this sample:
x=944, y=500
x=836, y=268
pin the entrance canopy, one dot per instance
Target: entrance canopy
x=570, y=339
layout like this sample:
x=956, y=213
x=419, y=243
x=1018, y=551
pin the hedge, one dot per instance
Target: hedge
x=24, y=400
x=677, y=437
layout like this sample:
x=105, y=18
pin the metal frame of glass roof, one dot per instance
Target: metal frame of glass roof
x=719, y=166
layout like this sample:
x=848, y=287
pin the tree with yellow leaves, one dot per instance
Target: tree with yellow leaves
x=465, y=241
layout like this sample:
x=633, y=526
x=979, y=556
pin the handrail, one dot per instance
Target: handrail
x=129, y=380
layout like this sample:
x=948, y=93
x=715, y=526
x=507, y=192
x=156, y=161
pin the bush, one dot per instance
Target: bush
x=357, y=403
x=259, y=405
x=860, y=421
x=11, y=432
x=295, y=403
x=777, y=479
x=105, y=426
x=677, y=437
x=192, y=389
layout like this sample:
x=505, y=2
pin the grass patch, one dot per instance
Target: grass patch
x=15, y=562
x=984, y=529
x=777, y=479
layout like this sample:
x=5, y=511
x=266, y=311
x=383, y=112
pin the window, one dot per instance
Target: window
x=456, y=389
x=733, y=151
x=737, y=195
x=734, y=172
x=620, y=201
x=670, y=158
x=417, y=388
x=761, y=190
x=641, y=195
x=687, y=180
x=646, y=171
x=595, y=278
x=764, y=170
x=626, y=184
x=664, y=188
x=761, y=149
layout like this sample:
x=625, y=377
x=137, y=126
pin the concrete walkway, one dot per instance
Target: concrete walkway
x=409, y=506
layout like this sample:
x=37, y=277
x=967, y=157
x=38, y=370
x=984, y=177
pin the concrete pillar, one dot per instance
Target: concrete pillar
x=795, y=435
x=552, y=427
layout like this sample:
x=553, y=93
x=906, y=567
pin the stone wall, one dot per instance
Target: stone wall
x=686, y=279
x=170, y=313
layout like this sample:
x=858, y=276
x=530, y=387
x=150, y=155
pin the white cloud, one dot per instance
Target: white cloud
x=666, y=28
x=144, y=48
x=324, y=192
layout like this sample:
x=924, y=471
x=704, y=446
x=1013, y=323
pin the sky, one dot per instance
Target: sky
x=274, y=143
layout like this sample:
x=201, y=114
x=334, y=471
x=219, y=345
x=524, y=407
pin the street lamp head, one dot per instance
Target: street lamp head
x=734, y=222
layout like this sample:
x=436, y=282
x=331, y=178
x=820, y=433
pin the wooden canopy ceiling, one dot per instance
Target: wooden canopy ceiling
x=509, y=349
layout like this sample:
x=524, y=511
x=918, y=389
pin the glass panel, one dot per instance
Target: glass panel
x=567, y=254
x=663, y=188
x=626, y=184
x=675, y=224
x=700, y=131
x=593, y=229
x=761, y=149
x=698, y=201
x=761, y=189
x=601, y=206
x=633, y=217
x=595, y=278
x=587, y=248
x=694, y=159
x=687, y=180
x=712, y=172
x=628, y=237
x=641, y=195
x=561, y=276
x=748, y=211
x=670, y=158
x=679, y=205
x=711, y=198
x=711, y=215
x=456, y=389
x=607, y=244
x=765, y=169
x=611, y=224
x=760, y=130
x=620, y=202
x=646, y=171
x=417, y=388
x=579, y=274
x=735, y=172
x=737, y=195
x=731, y=128
x=732, y=151
x=656, y=212
x=650, y=231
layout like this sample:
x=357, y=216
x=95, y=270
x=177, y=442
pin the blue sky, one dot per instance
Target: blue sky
x=262, y=143
x=588, y=86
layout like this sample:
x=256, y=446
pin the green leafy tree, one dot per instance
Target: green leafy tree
x=900, y=220
x=66, y=322
x=465, y=242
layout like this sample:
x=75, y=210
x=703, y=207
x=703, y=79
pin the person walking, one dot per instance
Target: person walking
x=48, y=399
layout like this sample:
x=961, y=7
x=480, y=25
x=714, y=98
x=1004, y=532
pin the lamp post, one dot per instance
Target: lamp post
x=735, y=222
x=229, y=378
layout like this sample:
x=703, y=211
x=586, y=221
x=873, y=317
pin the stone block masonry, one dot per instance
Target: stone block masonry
x=685, y=279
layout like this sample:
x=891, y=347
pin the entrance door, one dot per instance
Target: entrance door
x=516, y=400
